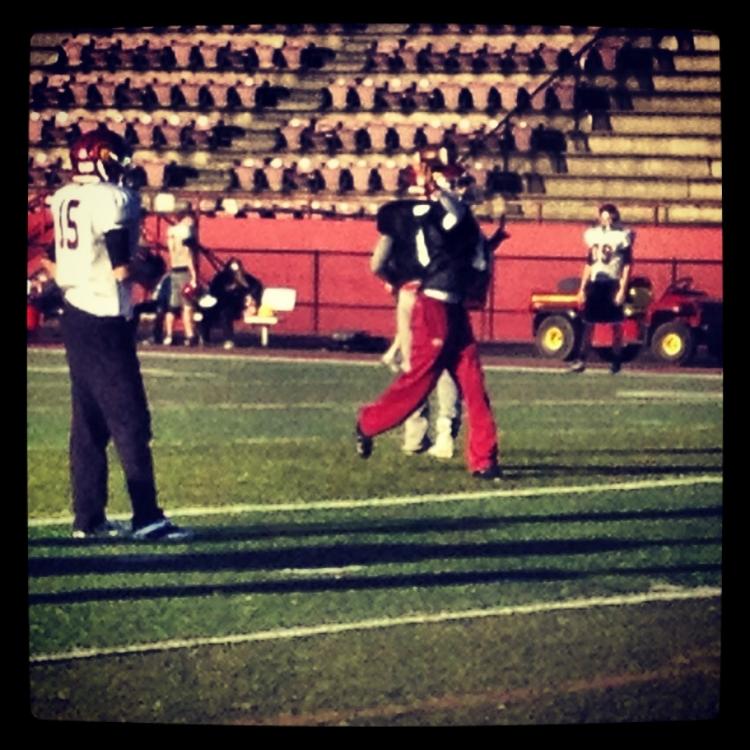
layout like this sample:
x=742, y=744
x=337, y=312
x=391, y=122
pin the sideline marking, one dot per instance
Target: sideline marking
x=705, y=592
x=333, y=360
x=402, y=500
x=645, y=396
x=672, y=395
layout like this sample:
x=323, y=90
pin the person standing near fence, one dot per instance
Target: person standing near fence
x=182, y=245
x=96, y=227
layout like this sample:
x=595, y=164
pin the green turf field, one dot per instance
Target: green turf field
x=323, y=589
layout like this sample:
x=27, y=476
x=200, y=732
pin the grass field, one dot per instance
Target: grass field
x=325, y=590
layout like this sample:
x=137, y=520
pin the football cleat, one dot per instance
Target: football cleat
x=421, y=448
x=442, y=449
x=492, y=473
x=363, y=444
x=577, y=366
x=105, y=530
x=162, y=530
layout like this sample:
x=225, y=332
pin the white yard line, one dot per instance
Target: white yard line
x=644, y=396
x=205, y=442
x=559, y=369
x=407, y=500
x=671, y=395
x=383, y=623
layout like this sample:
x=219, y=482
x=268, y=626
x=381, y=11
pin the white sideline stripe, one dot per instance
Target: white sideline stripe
x=207, y=441
x=150, y=371
x=645, y=396
x=238, y=441
x=376, y=502
x=671, y=395
x=262, y=406
x=561, y=369
x=380, y=624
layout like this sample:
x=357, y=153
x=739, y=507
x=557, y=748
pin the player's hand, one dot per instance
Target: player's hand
x=620, y=297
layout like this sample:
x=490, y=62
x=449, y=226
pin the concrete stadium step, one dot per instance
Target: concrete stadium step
x=655, y=145
x=258, y=141
x=687, y=82
x=561, y=186
x=643, y=123
x=706, y=41
x=39, y=57
x=695, y=103
x=588, y=165
x=707, y=62
x=632, y=213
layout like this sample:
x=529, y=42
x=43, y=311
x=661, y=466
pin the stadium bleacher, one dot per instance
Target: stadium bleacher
x=635, y=114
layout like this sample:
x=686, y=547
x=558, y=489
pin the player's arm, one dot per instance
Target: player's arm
x=622, y=290
x=380, y=255
x=48, y=261
x=494, y=240
x=585, y=276
x=191, y=243
x=117, y=242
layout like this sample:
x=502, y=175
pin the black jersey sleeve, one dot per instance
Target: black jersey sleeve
x=118, y=246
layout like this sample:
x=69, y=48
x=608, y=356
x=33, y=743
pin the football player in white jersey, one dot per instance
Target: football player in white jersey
x=604, y=282
x=96, y=223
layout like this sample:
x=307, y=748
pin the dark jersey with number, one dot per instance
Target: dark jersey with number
x=436, y=241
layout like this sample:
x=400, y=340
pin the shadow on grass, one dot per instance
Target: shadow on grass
x=300, y=562
x=224, y=534
x=349, y=583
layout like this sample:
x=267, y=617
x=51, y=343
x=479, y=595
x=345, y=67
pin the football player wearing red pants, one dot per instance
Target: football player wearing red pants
x=437, y=241
x=96, y=238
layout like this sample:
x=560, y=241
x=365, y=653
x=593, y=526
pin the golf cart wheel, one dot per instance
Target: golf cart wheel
x=556, y=338
x=673, y=342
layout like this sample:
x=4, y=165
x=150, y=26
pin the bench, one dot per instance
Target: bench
x=275, y=300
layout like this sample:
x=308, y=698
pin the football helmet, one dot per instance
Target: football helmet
x=438, y=159
x=611, y=209
x=101, y=153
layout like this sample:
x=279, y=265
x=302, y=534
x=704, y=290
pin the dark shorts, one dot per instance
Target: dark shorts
x=178, y=280
x=599, y=306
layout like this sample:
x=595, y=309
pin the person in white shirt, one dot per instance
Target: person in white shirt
x=96, y=225
x=183, y=274
x=604, y=282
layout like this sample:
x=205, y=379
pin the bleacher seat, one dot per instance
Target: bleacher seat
x=686, y=90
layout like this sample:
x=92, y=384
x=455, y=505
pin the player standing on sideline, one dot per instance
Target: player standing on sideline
x=439, y=243
x=182, y=245
x=604, y=282
x=96, y=237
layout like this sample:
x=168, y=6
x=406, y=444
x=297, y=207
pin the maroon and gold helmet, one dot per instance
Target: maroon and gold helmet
x=438, y=159
x=101, y=153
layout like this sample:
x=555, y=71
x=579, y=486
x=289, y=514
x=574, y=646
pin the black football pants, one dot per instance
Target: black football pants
x=108, y=401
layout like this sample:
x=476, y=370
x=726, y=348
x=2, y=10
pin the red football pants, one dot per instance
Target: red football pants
x=441, y=339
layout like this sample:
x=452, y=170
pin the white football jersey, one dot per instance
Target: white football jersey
x=609, y=251
x=83, y=213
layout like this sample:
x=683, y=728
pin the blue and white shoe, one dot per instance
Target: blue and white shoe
x=105, y=530
x=162, y=530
